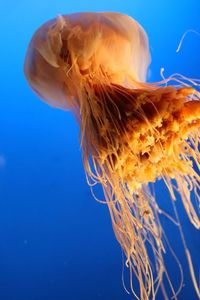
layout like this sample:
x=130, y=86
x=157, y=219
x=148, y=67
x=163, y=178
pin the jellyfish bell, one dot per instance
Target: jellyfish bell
x=65, y=52
x=134, y=132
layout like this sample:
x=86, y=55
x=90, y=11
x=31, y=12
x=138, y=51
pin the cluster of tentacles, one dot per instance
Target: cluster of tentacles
x=135, y=136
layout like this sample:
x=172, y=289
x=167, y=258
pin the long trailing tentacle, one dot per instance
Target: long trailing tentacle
x=134, y=137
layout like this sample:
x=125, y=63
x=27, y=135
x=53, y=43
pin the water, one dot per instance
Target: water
x=56, y=241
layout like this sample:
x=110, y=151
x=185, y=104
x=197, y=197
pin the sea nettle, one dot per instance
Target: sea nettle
x=132, y=132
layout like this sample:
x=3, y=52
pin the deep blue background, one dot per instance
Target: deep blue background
x=56, y=241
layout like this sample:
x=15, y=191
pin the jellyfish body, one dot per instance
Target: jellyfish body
x=132, y=132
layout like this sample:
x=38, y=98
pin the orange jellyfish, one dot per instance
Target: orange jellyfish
x=132, y=132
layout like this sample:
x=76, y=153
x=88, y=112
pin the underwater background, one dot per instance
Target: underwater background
x=56, y=241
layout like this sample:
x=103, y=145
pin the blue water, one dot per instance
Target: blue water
x=56, y=241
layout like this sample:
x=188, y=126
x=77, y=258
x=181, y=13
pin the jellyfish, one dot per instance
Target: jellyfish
x=132, y=132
